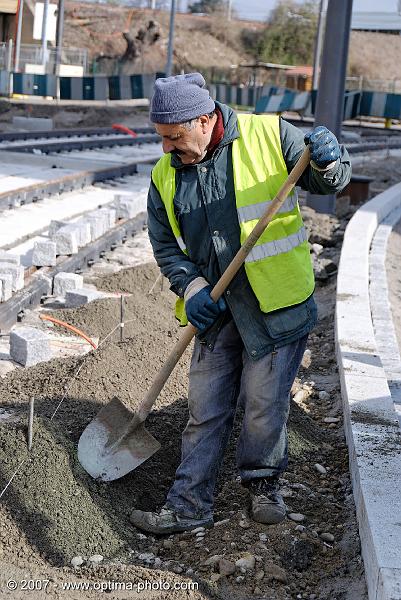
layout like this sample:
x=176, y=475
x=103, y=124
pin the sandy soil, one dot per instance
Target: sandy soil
x=73, y=115
x=53, y=510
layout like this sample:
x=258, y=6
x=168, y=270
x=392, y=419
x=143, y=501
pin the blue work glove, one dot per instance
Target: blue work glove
x=202, y=311
x=323, y=145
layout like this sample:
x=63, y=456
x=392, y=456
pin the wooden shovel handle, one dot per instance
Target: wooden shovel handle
x=222, y=285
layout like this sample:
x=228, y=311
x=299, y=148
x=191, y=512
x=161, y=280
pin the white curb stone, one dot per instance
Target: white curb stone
x=29, y=346
x=83, y=231
x=97, y=224
x=7, y=257
x=81, y=296
x=385, y=334
x=6, y=282
x=48, y=281
x=55, y=226
x=66, y=282
x=371, y=422
x=44, y=254
x=128, y=206
x=66, y=240
x=16, y=272
x=110, y=214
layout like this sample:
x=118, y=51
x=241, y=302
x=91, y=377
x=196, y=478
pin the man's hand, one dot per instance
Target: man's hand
x=201, y=310
x=323, y=145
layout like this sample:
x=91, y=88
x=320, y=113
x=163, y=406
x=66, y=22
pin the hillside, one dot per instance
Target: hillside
x=138, y=38
x=125, y=40
x=375, y=55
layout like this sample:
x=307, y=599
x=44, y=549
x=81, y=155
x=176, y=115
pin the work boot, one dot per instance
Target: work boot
x=166, y=521
x=267, y=504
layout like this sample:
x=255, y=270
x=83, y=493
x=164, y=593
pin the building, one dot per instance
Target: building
x=385, y=22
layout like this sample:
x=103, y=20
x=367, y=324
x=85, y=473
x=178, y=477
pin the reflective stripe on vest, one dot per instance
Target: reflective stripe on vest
x=255, y=211
x=277, y=246
x=279, y=267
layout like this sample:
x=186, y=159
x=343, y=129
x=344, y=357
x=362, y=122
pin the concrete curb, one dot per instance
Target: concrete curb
x=385, y=335
x=371, y=422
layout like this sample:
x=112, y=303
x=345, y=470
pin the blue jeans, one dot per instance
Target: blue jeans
x=216, y=381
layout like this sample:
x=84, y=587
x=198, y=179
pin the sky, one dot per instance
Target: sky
x=259, y=9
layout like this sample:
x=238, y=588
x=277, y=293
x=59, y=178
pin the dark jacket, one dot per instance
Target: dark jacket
x=207, y=216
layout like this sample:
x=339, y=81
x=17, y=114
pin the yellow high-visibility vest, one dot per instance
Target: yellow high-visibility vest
x=279, y=267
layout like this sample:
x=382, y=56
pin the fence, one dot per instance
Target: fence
x=356, y=104
x=79, y=88
x=265, y=99
x=31, y=58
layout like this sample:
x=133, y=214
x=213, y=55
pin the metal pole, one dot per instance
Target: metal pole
x=318, y=44
x=18, y=35
x=169, y=65
x=44, y=33
x=9, y=66
x=330, y=96
x=59, y=36
x=230, y=6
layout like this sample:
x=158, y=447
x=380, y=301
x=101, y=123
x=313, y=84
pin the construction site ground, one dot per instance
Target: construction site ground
x=54, y=511
x=69, y=114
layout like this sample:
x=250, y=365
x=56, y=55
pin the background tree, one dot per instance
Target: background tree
x=289, y=37
x=207, y=6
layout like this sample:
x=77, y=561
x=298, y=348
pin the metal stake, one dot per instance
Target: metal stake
x=121, y=317
x=30, y=422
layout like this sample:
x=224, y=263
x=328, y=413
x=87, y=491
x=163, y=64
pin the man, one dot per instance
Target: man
x=218, y=173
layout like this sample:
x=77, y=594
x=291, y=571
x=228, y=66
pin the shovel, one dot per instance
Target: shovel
x=116, y=441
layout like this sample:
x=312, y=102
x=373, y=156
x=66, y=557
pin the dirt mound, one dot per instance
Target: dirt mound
x=53, y=510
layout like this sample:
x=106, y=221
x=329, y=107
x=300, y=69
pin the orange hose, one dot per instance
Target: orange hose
x=124, y=129
x=68, y=326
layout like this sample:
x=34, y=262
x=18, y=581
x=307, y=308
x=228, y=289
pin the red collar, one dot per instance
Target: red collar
x=217, y=134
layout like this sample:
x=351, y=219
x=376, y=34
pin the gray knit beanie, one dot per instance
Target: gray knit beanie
x=180, y=98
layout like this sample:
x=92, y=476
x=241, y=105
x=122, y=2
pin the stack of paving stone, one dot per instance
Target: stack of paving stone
x=128, y=205
x=29, y=346
x=69, y=237
x=11, y=275
x=70, y=287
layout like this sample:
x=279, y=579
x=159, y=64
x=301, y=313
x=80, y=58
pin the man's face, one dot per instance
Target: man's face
x=190, y=144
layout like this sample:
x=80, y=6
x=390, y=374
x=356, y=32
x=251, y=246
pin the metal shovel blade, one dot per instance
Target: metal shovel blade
x=103, y=450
